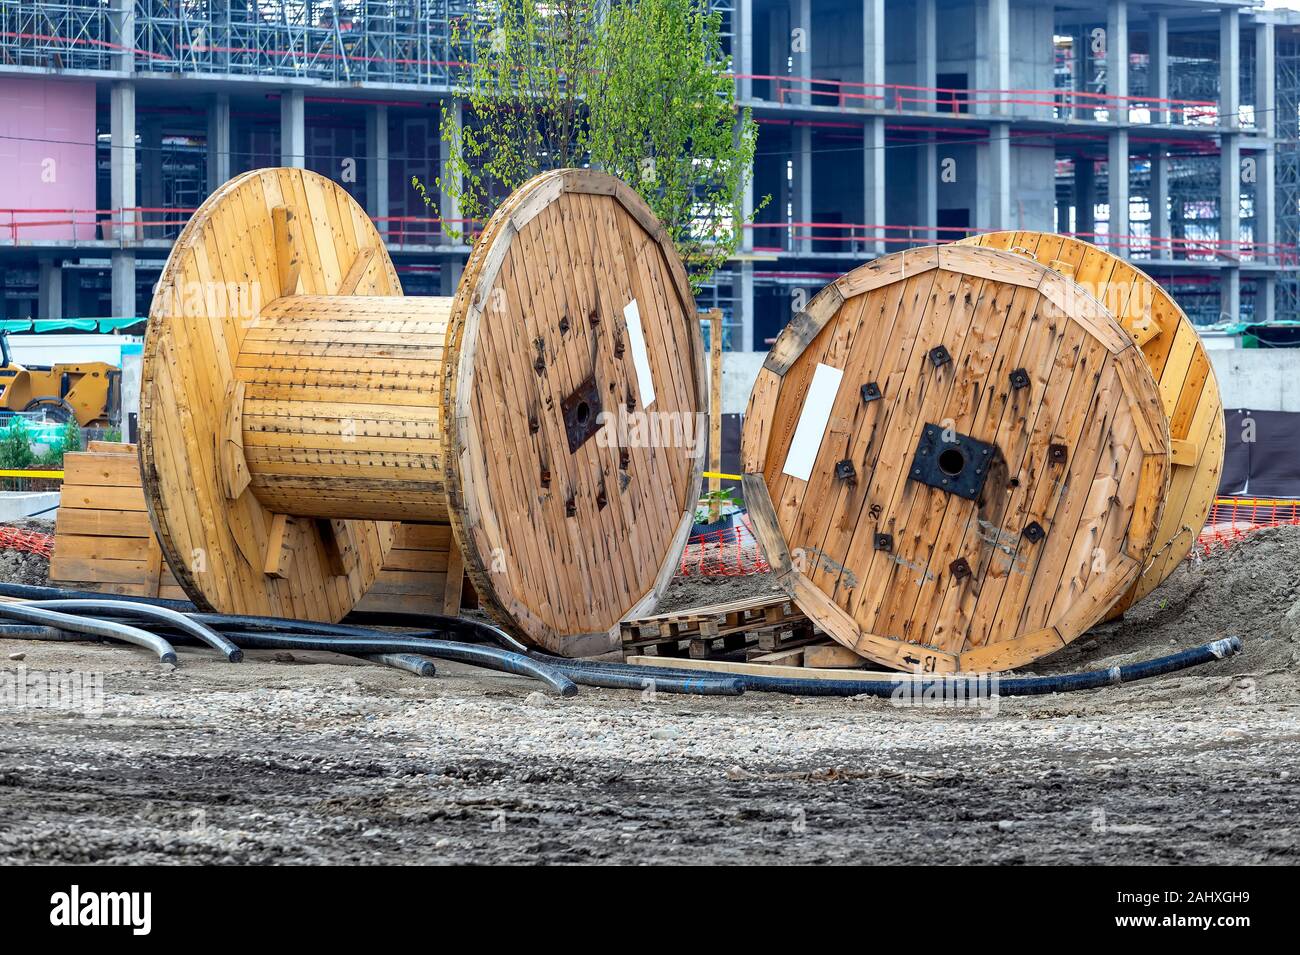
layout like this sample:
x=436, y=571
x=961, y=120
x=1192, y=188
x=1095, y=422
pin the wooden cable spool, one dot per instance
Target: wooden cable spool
x=1176, y=356
x=955, y=459
x=293, y=403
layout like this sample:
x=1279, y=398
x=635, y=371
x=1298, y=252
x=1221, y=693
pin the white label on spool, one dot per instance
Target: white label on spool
x=640, y=357
x=811, y=429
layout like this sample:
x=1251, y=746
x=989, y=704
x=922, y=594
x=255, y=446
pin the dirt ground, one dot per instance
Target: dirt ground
x=325, y=759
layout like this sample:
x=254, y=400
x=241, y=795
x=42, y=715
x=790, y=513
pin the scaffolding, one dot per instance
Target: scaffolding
x=348, y=41
x=67, y=35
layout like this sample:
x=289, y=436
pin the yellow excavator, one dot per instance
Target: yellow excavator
x=89, y=392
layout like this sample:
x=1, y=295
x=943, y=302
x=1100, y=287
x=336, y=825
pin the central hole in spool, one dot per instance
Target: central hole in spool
x=951, y=462
x=582, y=413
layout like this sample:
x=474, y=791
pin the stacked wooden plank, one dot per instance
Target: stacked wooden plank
x=103, y=541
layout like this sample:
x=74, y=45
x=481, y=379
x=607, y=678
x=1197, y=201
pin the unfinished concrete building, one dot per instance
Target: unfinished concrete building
x=882, y=125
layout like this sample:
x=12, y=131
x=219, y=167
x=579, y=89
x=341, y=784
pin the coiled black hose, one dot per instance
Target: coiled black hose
x=409, y=662
x=24, y=631
x=99, y=628
x=132, y=608
x=967, y=687
x=33, y=592
x=489, y=657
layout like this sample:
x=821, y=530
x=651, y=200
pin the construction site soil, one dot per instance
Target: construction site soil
x=313, y=757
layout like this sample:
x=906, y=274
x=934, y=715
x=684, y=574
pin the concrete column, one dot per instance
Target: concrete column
x=450, y=268
x=151, y=176
x=927, y=193
x=1082, y=72
x=123, y=284
x=746, y=280
x=801, y=17
x=1229, y=67
x=873, y=131
x=1085, y=196
x=1265, y=79
x=873, y=183
x=377, y=164
x=1265, y=171
x=743, y=50
x=803, y=191
x=1230, y=295
x=1230, y=222
x=50, y=294
x=293, y=129
x=122, y=160
x=219, y=142
x=121, y=31
x=448, y=206
x=1158, y=31
x=1117, y=57
x=927, y=49
x=1118, y=194
x=1230, y=159
x=873, y=51
x=1159, y=201
x=745, y=202
x=999, y=180
x=998, y=25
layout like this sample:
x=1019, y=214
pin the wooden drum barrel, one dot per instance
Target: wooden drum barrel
x=1176, y=356
x=955, y=459
x=294, y=402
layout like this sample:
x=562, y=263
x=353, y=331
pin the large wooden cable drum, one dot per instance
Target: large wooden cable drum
x=955, y=459
x=1177, y=358
x=294, y=403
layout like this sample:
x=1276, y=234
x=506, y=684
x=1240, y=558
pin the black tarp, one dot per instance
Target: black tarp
x=1262, y=454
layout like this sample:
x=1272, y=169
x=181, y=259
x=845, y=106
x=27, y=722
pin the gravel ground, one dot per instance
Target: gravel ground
x=324, y=759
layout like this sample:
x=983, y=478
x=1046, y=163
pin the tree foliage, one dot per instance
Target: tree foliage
x=638, y=88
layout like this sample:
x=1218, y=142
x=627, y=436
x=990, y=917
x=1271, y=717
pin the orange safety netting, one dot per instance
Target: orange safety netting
x=1233, y=518
x=33, y=542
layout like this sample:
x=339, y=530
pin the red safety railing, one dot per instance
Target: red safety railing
x=903, y=97
x=144, y=222
x=860, y=238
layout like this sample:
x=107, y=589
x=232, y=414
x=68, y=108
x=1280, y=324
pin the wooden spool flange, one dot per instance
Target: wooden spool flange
x=955, y=459
x=293, y=403
x=1176, y=356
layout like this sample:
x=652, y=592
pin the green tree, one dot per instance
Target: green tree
x=638, y=88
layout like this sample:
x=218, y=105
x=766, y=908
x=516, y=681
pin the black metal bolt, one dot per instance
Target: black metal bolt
x=844, y=470
x=1057, y=453
x=1034, y=532
x=884, y=542
x=871, y=392
x=939, y=356
x=959, y=569
x=1019, y=379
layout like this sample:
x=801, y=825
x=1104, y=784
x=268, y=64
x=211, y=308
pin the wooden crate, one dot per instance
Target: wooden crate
x=103, y=542
x=751, y=628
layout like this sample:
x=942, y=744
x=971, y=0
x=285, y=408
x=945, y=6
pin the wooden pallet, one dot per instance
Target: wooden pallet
x=751, y=628
x=103, y=542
